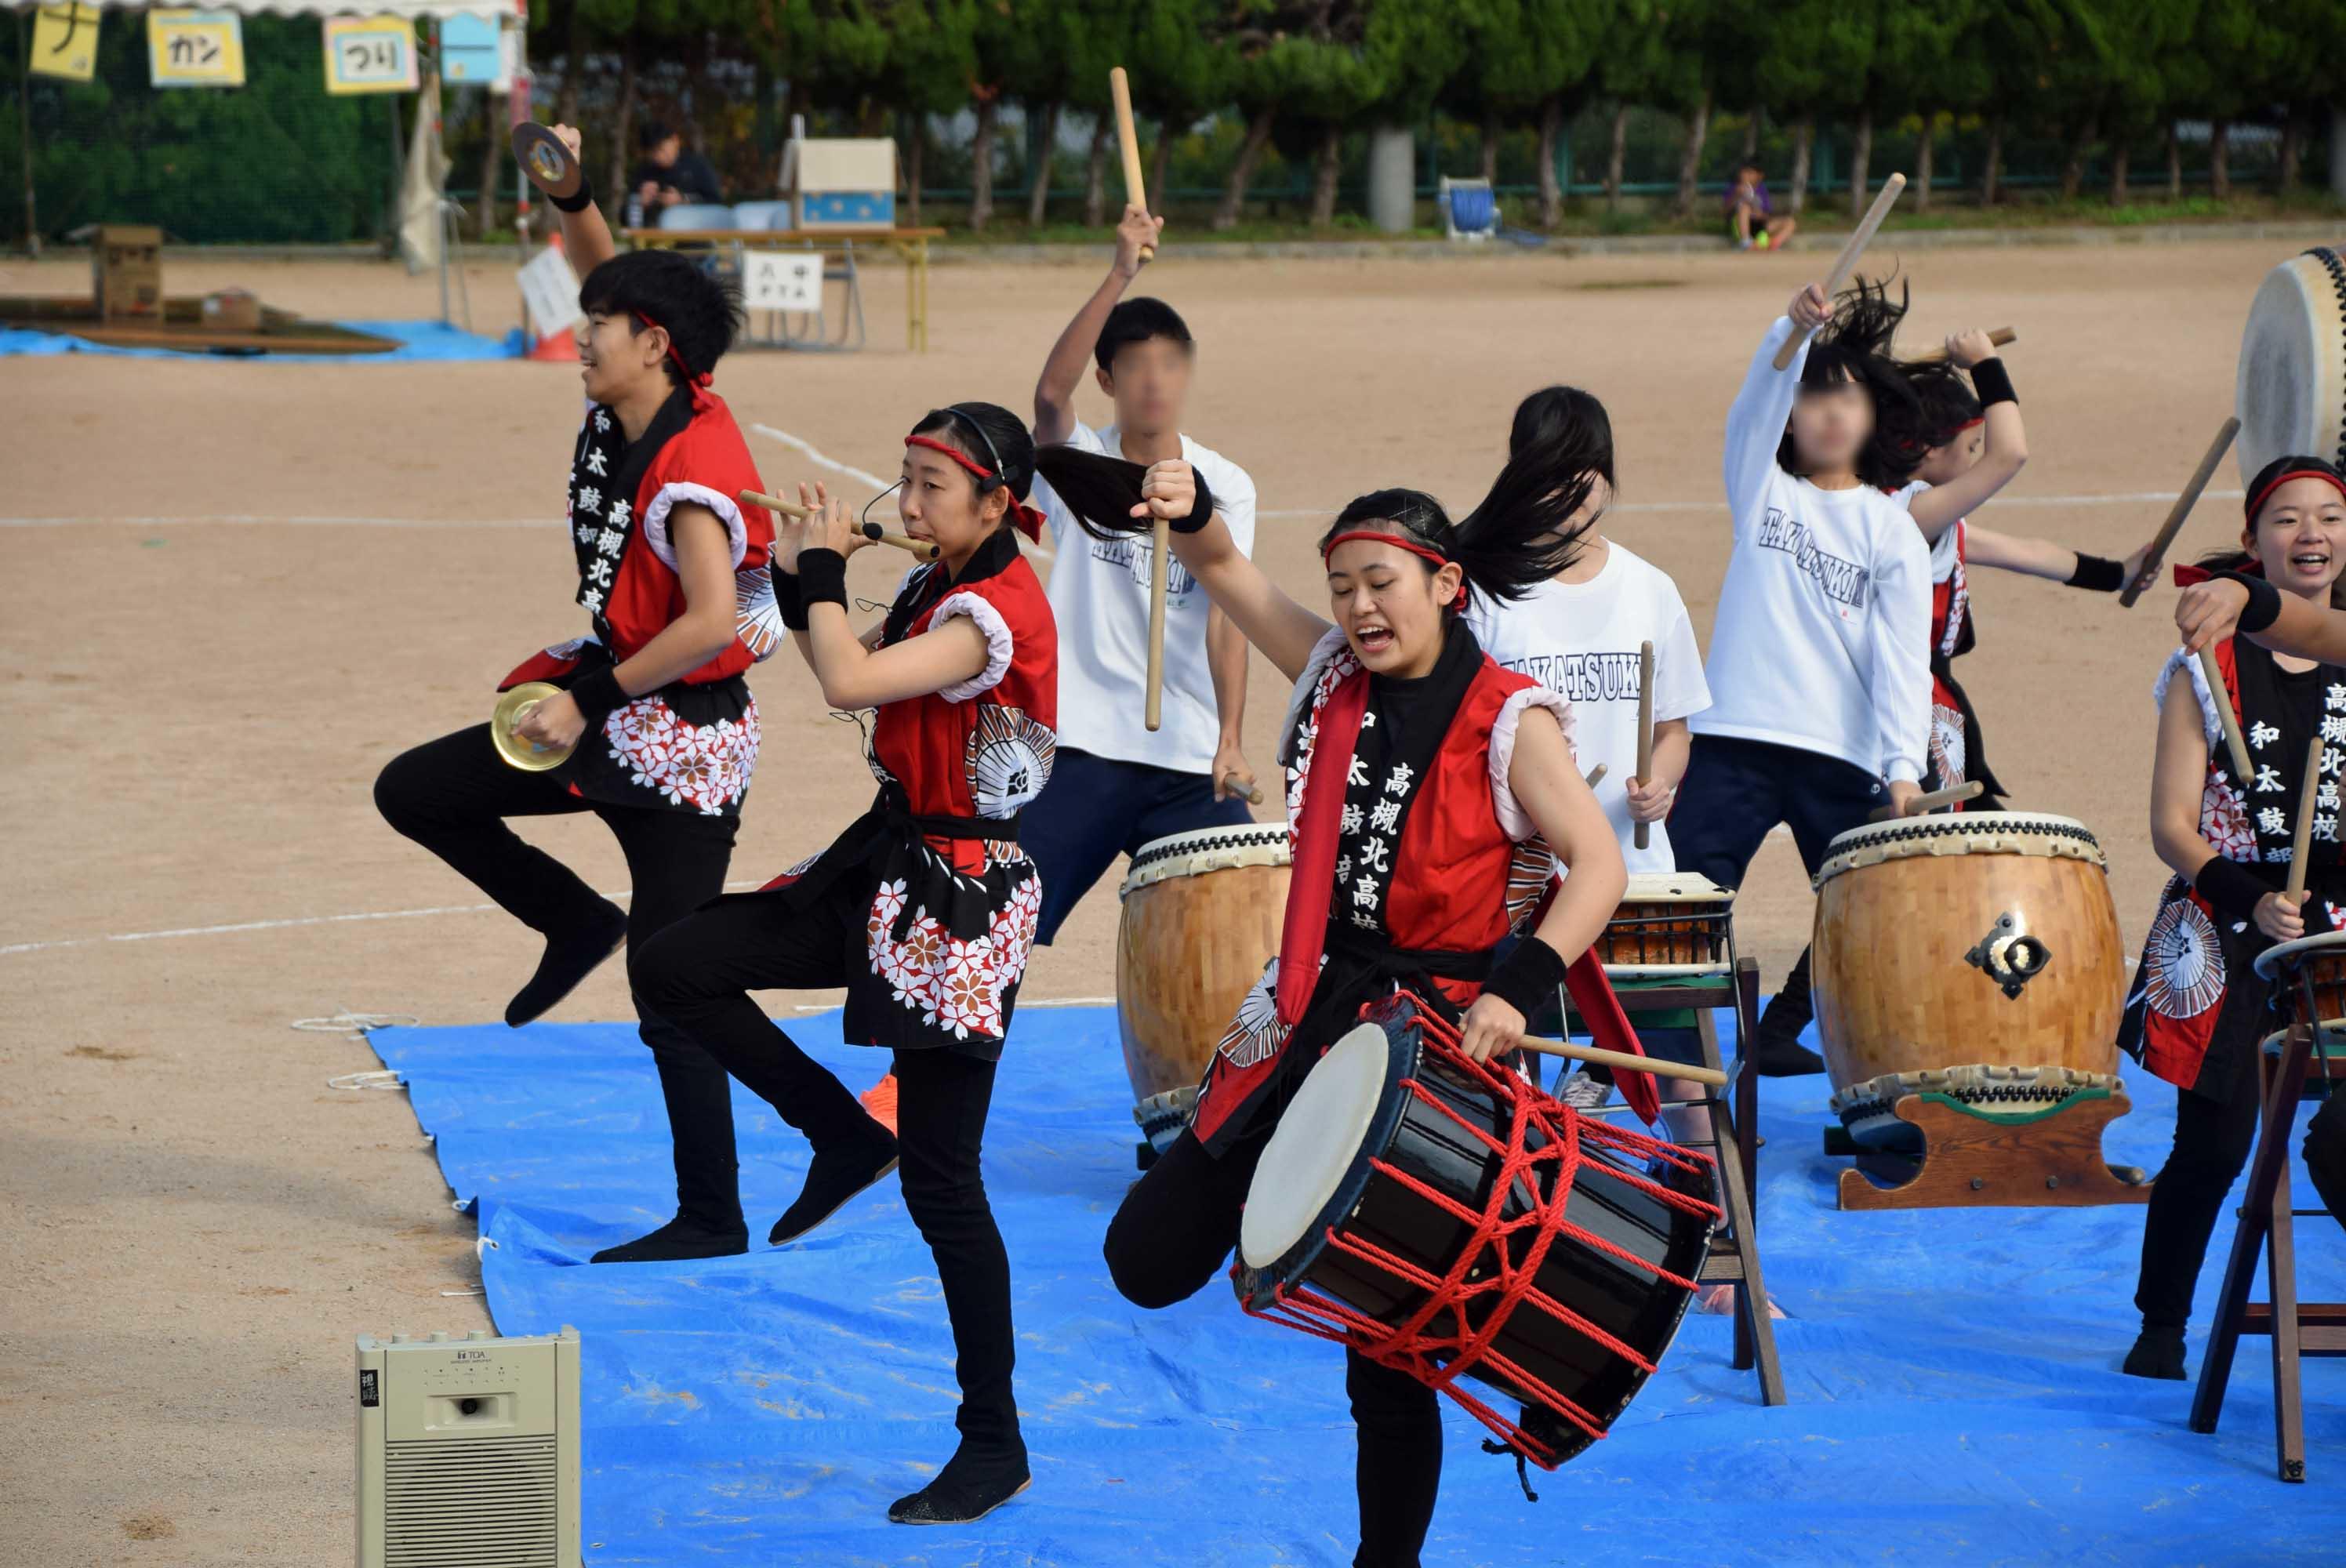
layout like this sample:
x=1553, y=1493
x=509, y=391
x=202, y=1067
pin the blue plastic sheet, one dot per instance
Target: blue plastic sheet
x=1954, y=1374
x=416, y=339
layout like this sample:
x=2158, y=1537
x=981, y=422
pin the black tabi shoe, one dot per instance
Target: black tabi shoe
x=568, y=960
x=1783, y=1058
x=834, y=1177
x=2157, y=1353
x=967, y=1489
x=681, y=1239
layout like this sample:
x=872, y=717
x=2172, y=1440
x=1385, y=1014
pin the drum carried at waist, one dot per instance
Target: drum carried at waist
x=1974, y=957
x=1447, y=1218
x=1201, y=918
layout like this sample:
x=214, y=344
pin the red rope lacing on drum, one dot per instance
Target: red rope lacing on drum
x=1439, y=1356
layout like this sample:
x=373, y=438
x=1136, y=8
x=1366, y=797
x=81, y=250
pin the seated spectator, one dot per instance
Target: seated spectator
x=668, y=176
x=1750, y=214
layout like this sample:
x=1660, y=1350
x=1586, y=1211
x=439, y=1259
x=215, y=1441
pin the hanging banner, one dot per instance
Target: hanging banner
x=370, y=54
x=65, y=42
x=472, y=53
x=195, y=49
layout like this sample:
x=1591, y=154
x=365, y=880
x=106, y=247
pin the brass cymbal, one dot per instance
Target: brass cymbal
x=512, y=708
x=550, y=166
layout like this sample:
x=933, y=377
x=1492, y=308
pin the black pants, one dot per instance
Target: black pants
x=1174, y=1233
x=1734, y=794
x=2212, y=1140
x=699, y=972
x=452, y=795
x=1095, y=808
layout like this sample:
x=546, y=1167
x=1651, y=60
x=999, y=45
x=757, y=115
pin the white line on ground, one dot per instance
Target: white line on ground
x=2131, y=498
x=815, y=454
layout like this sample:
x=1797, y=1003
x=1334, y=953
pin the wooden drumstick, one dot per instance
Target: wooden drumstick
x=925, y=549
x=1127, y=139
x=1953, y=795
x=2181, y=510
x=1596, y=776
x=1644, y=836
x=1999, y=337
x=1846, y=260
x=1160, y=566
x=1232, y=784
x=2301, y=843
x=2234, y=742
x=1622, y=1062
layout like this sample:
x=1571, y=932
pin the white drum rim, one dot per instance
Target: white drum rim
x=1315, y=1147
x=2305, y=295
x=2272, y=958
x=1204, y=850
x=1673, y=887
x=1907, y=835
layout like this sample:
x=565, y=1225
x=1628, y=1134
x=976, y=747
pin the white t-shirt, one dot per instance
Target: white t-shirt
x=1823, y=634
x=1099, y=596
x=1580, y=640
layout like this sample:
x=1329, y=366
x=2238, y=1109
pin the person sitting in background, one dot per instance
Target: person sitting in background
x=1748, y=208
x=668, y=176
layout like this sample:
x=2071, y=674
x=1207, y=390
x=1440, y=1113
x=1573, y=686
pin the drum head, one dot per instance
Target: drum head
x=1315, y=1156
x=1673, y=887
x=2290, y=955
x=1958, y=833
x=549, y=164
x=2290, y=393
x=1206, y=850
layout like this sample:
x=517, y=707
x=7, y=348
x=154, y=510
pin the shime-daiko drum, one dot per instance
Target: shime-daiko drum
x=1975, y=957
x=2291, y=395
x=1200, y=920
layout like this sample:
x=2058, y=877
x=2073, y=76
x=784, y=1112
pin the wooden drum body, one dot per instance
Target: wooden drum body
x=1201, y=921
x=1973, y=956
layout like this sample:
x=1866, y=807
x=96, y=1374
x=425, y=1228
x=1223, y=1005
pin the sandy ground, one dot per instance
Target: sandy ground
x=196, y=697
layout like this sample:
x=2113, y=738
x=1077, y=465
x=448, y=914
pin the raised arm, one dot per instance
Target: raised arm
x=852, y=673
x=585, y=237
x=1284, y=630
x=2006, y=451
x=1756, y=420
x=1063, y=372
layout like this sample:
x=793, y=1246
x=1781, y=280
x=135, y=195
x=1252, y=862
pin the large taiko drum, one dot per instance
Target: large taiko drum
x=1449, y=1218
x=1975, y=956
x=1201, y=918
x=2290, y=394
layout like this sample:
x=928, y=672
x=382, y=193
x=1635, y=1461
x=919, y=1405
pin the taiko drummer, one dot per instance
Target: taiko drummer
x=1424, y=778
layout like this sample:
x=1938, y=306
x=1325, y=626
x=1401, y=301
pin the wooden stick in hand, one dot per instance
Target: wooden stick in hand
x=1953, y=795
x=1999, y=337
x=2181, y=510
x=1622, y=1062
x=1160, y=566
x=2301, y=843
x=1127, y=139
x=1596, y=776
x=1644, y=836
x=1847, y=259
x=2234, y=742
x=1250, y=794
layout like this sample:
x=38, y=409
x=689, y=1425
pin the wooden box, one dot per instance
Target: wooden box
x=127, y=271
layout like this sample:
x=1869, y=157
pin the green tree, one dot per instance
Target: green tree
x=1528, y=62
x=932, y=60
x=1811, y=60
x=1180, y=68
x=1934, y=62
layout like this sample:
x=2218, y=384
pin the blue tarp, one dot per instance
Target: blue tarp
x=417, y=341
x=1954, y=1392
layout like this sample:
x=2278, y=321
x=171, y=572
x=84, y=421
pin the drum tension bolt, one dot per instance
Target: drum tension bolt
x=1979, y=1184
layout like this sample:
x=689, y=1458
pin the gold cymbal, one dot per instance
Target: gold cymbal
x=512, y=708
x=549, y=165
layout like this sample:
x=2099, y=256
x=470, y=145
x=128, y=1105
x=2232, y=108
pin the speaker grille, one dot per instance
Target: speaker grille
x=479, y=1503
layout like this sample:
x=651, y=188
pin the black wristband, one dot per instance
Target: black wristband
x=822, y=579
x=2098, y=574
x=2230, y=887
x=789, y=600
x=2263, y=607
x=1993, y=382
x=597, y=693
x=1528, y=978
x=1201, y=514
x=578, y=200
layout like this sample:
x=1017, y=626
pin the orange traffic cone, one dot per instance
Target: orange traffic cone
x=560, y=346
x=879, y=1100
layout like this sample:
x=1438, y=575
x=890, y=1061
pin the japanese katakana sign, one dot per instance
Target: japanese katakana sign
x=195, y=49
x=370, y=54
x=65, y=42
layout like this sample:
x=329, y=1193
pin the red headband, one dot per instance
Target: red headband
x=1423, y=552
x=698, y=384
x=1027, y=520
x=2256, y=501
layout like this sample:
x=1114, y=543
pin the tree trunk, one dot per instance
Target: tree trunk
x=1805, y=137
x=1038, y=180
x=1690, y=157
x=2290, y=144
x=1992, y=166
x=916, y=146
x=2219, y=160
x=1095, y=171
x=2073, y=160
x=1491, y=133
x=493, y=161
x=1924, y=147
x=1751, y=135
x=1232, y=206
x=1861, y=157
x=981, y=168
x=573, y=67
x=2173, y=164
x=1614, y=159
x=1160, y=165
x=1330, y=166
x=623, y=129
x=1551, y=187
x=2120, y=192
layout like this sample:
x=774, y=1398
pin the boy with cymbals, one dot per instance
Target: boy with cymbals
x=1116, y=786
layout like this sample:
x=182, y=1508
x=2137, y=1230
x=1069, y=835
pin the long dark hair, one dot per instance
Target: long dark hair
x=1948, y=405
x=1853, y=349
x=2248, y=560
x=993, y=437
